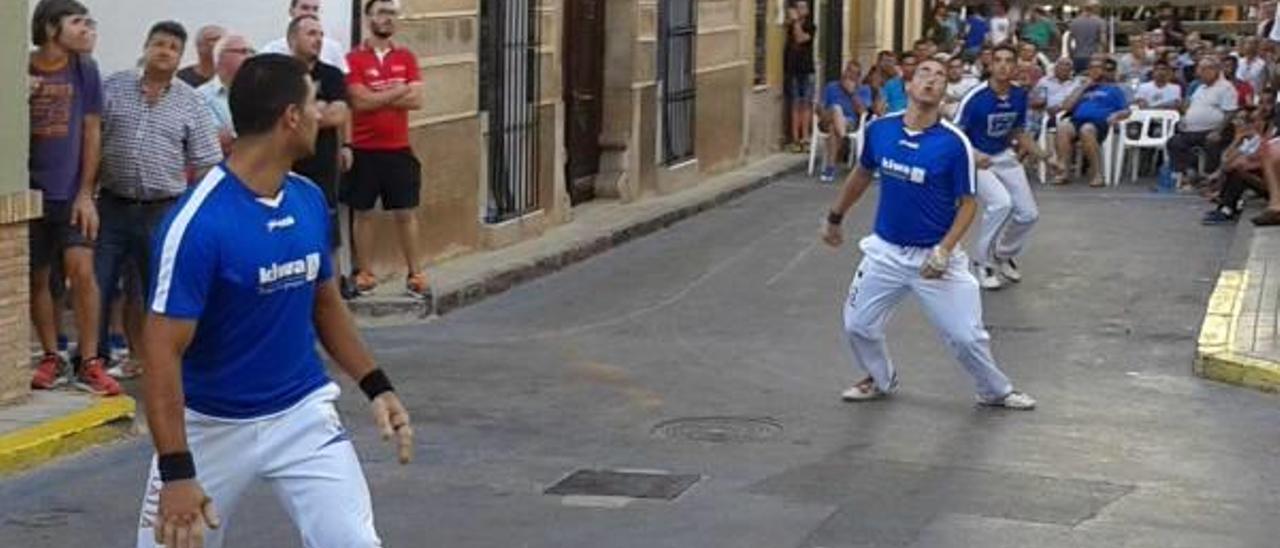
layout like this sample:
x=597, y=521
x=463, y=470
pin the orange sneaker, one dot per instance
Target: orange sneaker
x=417, y=285
x=49, y=373
x=93, y=378
x=364, y=281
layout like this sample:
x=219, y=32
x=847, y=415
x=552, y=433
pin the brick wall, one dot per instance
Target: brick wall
x=15, y=324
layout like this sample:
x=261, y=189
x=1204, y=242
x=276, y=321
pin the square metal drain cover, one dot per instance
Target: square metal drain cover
x=619, y=483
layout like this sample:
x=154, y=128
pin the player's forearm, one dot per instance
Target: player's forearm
x=91, y=154
x=964, y=218
x=854, y=187
x=162, y=388
x=338, y=334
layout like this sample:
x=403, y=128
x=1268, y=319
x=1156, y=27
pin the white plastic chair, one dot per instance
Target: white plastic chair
x=818, y=139
x=1166, y=120
x=1047, y=144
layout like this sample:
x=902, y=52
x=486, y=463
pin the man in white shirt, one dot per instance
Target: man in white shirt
x=1206, y=115
x=1253, y=68
x=1161, y=92
x=229, y=53
x=331, y=53
x=959, y=82
x=1052, y=90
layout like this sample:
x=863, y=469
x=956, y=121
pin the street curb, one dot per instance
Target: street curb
x=1215, y=357
x=107, y=419
x=499, y=281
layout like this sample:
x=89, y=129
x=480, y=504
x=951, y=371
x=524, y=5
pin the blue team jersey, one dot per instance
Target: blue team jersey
x=245, y=269
x=1098, y=103
x=989, y=120
x=923, y=175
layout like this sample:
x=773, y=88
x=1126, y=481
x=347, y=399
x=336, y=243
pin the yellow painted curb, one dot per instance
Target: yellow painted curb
x=1216, y=357
x=92, y=425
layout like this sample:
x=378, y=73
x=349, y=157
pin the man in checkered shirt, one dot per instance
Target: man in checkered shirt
x=156, y=131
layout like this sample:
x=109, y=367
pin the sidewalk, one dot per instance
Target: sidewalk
x=53, y=423
x=595, y=228
x=1240, y=338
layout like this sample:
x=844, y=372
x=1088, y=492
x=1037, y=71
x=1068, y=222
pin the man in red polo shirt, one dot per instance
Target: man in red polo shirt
x=384, y=85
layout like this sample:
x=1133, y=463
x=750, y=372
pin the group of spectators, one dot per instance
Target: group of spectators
x=1224, y=91
x=112, y=156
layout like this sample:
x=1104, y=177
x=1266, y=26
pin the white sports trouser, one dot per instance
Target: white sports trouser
x=952, y=303
x=302, y=453
x=1009, y=207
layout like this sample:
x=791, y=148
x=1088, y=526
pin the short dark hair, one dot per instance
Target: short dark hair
x=50, y=13
x=168, y=28
x=297, y=22
x=263, y=89
x=908, y=54
x=368, y=5
x=1160, y=64
x=1110, y=64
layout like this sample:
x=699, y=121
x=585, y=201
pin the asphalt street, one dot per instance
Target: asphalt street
x=732, y=319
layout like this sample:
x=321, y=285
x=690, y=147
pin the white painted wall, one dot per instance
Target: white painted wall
x=123, y=24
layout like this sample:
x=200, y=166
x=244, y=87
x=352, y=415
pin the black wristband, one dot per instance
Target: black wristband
x=834, y=218
x=375, y=383
x=176, y=466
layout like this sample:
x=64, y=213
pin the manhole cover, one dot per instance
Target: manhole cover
x=615, y=483
x=719, y=429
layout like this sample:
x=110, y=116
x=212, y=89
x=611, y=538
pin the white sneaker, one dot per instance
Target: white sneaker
x=1009, y=270
x=1015, y=400
x=988, y=278
x=866, y=390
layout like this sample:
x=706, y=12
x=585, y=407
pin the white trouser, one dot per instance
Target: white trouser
x=303, y=453
x=1009, y=207
x=952, y=303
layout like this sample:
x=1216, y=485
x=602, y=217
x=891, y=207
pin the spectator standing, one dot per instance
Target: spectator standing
x=198, y=74
x=975, y=31
x=1088, y=33
x=1168, y=24
x=944, y=28
x=1161, y=93
x=1094, y=107
x=1207, y=113
x=331, y=53
x=1001, y=29
x=65, y=116
x=332, y=152
x=1041, y=29
x=1135, y=65
x=154, y=126
x=228, y=54
x=959, y=82
x=384, y=86
x=1253, y=68
x=798, y=67
x=841, y=109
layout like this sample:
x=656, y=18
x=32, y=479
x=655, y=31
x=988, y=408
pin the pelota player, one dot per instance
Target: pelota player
x=992, y=115
x=926, y=204
x=243, y=289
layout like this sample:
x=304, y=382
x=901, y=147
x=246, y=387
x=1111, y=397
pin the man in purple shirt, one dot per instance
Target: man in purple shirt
x=65, y=146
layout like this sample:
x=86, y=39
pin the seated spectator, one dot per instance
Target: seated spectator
x=1135, y=66
x=1242, y=165
x=924, y=49
x=841, y=109
x=1244, y=90
x=1028, y=71
x=1094, y=107
x=1206, y=116
x=944, y=28
x=872, y=92
x=959, y=82
x=1161, y=93
x=895, y=88
x=1253, y=68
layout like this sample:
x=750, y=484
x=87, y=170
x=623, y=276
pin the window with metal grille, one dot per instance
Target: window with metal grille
x=509, y=92
x=679, y=94
x=761, y=43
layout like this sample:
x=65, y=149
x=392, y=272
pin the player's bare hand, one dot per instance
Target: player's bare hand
x=346, y=159
x=84, y=214
x=831, y=234
x=185, y=511
x=982, y=161
x=393, y=422
x=936, y=265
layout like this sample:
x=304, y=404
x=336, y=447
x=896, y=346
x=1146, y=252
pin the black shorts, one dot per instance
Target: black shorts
x=395, y=176
x=51, y=235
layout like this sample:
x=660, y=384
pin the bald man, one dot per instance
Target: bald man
x=196, y=75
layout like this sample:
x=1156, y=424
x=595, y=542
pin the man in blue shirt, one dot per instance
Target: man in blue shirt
x=993, y=115
x=1094, y=108
x=243, y=289
x=842, y=105
x=976, y=29
x=926, y=171
x=895, y=90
